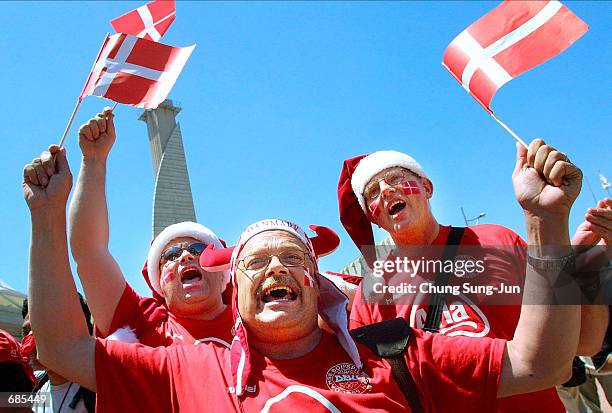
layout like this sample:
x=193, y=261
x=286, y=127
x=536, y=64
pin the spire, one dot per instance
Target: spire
x=172, y=199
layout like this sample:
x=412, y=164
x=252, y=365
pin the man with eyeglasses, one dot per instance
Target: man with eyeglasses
x=187, y=305
x=280, y=358
x=392, y=190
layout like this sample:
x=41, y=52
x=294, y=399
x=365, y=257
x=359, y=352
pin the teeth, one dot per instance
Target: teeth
x=285, y=289
x=392, y=210
x=279, y=292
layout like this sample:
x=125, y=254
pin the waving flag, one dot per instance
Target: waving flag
x=509, y=40
x=149, y=22
x=135, y=71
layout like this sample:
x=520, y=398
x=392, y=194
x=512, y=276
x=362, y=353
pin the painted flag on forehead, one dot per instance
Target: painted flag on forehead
x=509, y=40
x=149, y=22
x=135, y=71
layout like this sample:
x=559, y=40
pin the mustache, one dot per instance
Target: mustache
x=277, y=279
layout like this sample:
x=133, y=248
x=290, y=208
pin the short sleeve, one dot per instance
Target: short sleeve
x=360, y=311
x=132, y=378
x=458, y=374
x=134, y=311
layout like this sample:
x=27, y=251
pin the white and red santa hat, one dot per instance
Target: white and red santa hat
x=331, y=304
x=355, y=175
x=182, y=229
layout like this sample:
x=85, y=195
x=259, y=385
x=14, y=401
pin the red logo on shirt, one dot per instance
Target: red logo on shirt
x=346, y=378
x=459, y=318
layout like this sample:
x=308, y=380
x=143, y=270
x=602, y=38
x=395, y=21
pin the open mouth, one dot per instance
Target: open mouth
x=396, y=207
x=278, y=293
x=190, y=275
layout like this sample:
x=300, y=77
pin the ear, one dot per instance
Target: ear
x=428, y=186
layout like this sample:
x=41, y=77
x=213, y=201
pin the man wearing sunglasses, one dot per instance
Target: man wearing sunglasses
x=187, y=305
x=280, y=358
x=392, y=190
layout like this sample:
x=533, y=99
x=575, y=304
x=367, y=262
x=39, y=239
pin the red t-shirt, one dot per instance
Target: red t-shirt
x=452, y=374
x=155, y=326
x=462, y=317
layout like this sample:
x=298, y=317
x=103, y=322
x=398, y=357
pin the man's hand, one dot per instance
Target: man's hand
x=47, y=180
x=597, y=225
x=545, y=182
x=97, y=136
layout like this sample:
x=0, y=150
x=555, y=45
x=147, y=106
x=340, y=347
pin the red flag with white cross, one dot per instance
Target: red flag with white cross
x=149, y=21
x=411, y=188
x=135, y=71
x=509, y=40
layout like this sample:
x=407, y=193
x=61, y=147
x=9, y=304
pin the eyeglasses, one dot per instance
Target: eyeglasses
x=257, y=263
x=174, y=252
x=392, y=178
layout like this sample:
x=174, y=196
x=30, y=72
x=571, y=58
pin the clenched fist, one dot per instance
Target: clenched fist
x=47, y=180
x=97, y=136
x=545, y=182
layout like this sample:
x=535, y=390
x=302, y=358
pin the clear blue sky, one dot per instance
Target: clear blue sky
x=276, y=95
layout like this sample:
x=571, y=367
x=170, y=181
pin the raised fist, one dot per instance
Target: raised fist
x=47, y=180
x=545, y=182
x=97, y=136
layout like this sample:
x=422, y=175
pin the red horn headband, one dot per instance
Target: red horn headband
x=325, y=242
x=214, y=260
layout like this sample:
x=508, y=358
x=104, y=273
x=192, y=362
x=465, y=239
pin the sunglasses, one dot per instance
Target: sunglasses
x=173, y=253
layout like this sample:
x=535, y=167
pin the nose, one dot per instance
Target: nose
x=186, y=256
x=276, y=267
x=386, y=189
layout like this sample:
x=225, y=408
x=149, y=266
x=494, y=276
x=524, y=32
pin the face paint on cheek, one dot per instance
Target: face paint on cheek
x=410, y=188
x=375, y=208
x=167, y=276
x=308, y=280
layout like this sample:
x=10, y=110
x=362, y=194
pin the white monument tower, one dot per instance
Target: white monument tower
x=172, y=199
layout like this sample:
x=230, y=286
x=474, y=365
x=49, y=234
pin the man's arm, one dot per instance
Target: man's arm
x=545, y=341
x=62, y=340
x=100, y=274
x=593, y=319
x=595, y=230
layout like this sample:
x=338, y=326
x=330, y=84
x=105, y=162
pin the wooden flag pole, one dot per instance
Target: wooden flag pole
x=76, y=107
x=74, y=112
x=510, y=131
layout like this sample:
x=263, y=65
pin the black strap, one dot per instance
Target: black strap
x=389, y=339
x=89, y=399
x=436, y=305
x=404, y=380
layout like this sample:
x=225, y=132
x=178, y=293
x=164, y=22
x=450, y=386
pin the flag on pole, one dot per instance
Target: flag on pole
x=135, y=71
x=149, y=22
x=509, y=40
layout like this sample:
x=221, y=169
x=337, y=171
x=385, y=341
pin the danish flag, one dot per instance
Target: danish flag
x=149, y=22
x=509, y=40
x=135, y=71
x=411, y=188
x=375, y=208
x=308, y=280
